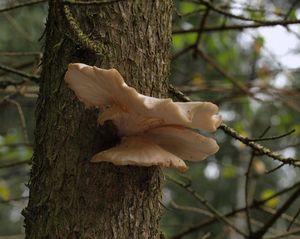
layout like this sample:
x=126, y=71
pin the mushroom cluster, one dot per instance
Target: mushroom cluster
x=153, y=131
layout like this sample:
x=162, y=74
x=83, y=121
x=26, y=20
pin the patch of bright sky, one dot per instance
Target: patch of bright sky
x=227, y=115
x=279, y=43
x=212, y=171
x=166, y=196
x=288, y=177
x=15, y=214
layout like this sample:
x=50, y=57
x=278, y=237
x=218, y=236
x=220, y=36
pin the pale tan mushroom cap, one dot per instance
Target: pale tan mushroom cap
x=154, y=131
x=107, y=90
x=182, y=142
x=139, y=151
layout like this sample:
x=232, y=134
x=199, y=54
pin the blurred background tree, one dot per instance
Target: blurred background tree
x=242, y=55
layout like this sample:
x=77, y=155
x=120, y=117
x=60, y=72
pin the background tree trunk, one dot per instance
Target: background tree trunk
x=69, y=196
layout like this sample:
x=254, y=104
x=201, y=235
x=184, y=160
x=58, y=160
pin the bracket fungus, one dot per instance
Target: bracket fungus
x=153, y=131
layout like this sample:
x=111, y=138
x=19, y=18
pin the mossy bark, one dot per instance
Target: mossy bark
x=69, y=196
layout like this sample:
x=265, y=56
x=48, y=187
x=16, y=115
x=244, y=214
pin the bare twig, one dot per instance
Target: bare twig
x=273, y=137
x=206, y=235
x=201, y=26
x=216, y=213
x=195, y=89
x=182, y=52
x=258, y=234
x=16, y=25
x=230, y=131
x=259, y=148
x=15, y=145
x=284, y=235
x=178, y=94
x=20, y=73
x=281, y=192
x=228, y=14
x=13, y=199
x=284, y=216
x=18, y=67
x=24, y=53
x=255, y=204
x=276, y=168
x=238, y=27
x=6, y=83
x=248, y=216
x=14, y=164
x=191, y=209
x=218, y=68
x=21, y=117
x=293, y=220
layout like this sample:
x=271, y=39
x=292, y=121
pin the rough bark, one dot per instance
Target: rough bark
x=69, y=196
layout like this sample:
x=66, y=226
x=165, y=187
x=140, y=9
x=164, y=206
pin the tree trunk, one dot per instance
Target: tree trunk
x=69, y=196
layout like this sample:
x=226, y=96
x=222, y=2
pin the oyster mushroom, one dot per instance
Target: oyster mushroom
x=153, y=131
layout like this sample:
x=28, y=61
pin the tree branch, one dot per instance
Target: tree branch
x=228, y=14
x=191, y=209
x=238, y=27
x=273, y=137
x=230, y=131
x=216, y=66
x=13, y=199
x=206, y=204
x=255, y=204
x=293, y=220
x=24, y=53
x=273, y=219
x=14, y=164
x=201, y=26
x=259, y=148
x=21, y=117
x=20, y=73
x=285, y=234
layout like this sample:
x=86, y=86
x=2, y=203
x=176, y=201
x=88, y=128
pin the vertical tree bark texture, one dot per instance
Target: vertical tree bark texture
x=69, y=196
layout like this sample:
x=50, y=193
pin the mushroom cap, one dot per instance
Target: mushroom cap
x=120, y=103
x=140, y=151
x=182, y=142
x=153, y=131
x=91, y=89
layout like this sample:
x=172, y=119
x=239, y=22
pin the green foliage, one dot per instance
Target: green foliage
x=11, y=148
x=180, y=41
x=187, y=7
x=229, y=171
x=218, y=179
x=4, y=191
x=273, y=203
x=245, y=62
x=12, y=181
